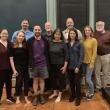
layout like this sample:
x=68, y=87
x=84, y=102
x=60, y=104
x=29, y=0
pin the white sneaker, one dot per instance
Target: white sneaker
x=58, y=99
x=52, y=96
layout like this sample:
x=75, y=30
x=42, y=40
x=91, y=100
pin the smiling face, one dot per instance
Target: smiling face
x=48, y=26
x=100, y=26
x=37, y=30
x=57, y=36
x=88, y=31
x=20, y=37
x=69, y=23
x=25, y=24
x=72, y=35
x=4, y=34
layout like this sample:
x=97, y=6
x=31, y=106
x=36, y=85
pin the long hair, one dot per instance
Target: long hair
x=16, y=43
x=92, y=33
x=55, y=31
x=76, y=37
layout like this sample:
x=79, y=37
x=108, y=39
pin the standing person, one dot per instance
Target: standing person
x=48, y=36
x=38, y=56
x=102, y=64
x=5, y=68
x=74, y=65
x=25, y=29
x=58, y=63
x=19, y=64
x=90, y=52
x=48, y=31
x=70, y=25
x=28, y=35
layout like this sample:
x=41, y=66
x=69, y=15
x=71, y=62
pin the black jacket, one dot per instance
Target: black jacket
x=30, y=51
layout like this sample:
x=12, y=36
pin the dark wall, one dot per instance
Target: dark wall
x=77, y=9
x=13, y=11
x=102, y=11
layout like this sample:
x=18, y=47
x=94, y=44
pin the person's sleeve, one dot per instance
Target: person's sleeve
x=81, y=55
x=66, y=52
x=13, y=37
x=94, y=51
x=80, y=37
x=11, y=52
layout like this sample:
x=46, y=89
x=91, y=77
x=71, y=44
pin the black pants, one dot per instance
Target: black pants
x=75, y=83
x=58, y=79
x=22, y=80
x=5, y=78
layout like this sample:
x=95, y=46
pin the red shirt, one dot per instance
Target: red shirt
x=103, y=40
x=4, y=57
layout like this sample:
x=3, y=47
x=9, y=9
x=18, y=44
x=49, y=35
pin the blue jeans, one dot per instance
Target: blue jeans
x=88, y=73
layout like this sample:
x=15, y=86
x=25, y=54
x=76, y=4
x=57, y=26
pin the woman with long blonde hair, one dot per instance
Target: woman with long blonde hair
x=19, y=64
x=90, y=52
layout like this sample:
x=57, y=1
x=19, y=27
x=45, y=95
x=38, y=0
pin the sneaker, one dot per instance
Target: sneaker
x=77, y=102
x=90, y=96
x=42, y=99
x=86, y=95
x=71, y=98
x=11, y=100
x=58, y=99
x=35, y=102
x=52, y=96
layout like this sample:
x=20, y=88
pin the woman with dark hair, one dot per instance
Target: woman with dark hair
x=19, y=64
x=58, y=61
x=90, y=52
x=5, y=67
x=74, y=65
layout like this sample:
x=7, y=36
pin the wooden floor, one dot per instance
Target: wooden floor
x=97, y=103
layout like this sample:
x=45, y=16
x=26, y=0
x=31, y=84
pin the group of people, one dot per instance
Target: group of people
x=62, y=57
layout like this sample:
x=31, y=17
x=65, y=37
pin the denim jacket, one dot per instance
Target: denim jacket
x=76, y=55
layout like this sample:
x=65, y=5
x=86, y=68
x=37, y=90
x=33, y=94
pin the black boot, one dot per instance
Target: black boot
x=35, y=101
x=42, y=99
x=77, y=102
x=71, y=98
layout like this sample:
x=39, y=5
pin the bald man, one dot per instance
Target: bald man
x=48, y=31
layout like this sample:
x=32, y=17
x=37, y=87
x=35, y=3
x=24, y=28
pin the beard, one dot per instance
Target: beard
x=70, y=26
x=37, y=34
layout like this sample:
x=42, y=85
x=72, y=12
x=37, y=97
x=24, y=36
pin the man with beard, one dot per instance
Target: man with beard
x=38, y=61
x=102, y=65
x=70, y=25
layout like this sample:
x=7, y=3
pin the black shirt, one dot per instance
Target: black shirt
x=20, y=56
x=58, y=52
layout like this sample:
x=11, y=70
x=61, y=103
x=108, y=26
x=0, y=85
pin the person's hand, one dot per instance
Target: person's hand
x=15, y=73
x=91, y=66
x=76, y=70
x=63, y=69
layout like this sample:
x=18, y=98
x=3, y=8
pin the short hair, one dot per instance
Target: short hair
x=69, y=18
x=25, y=20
